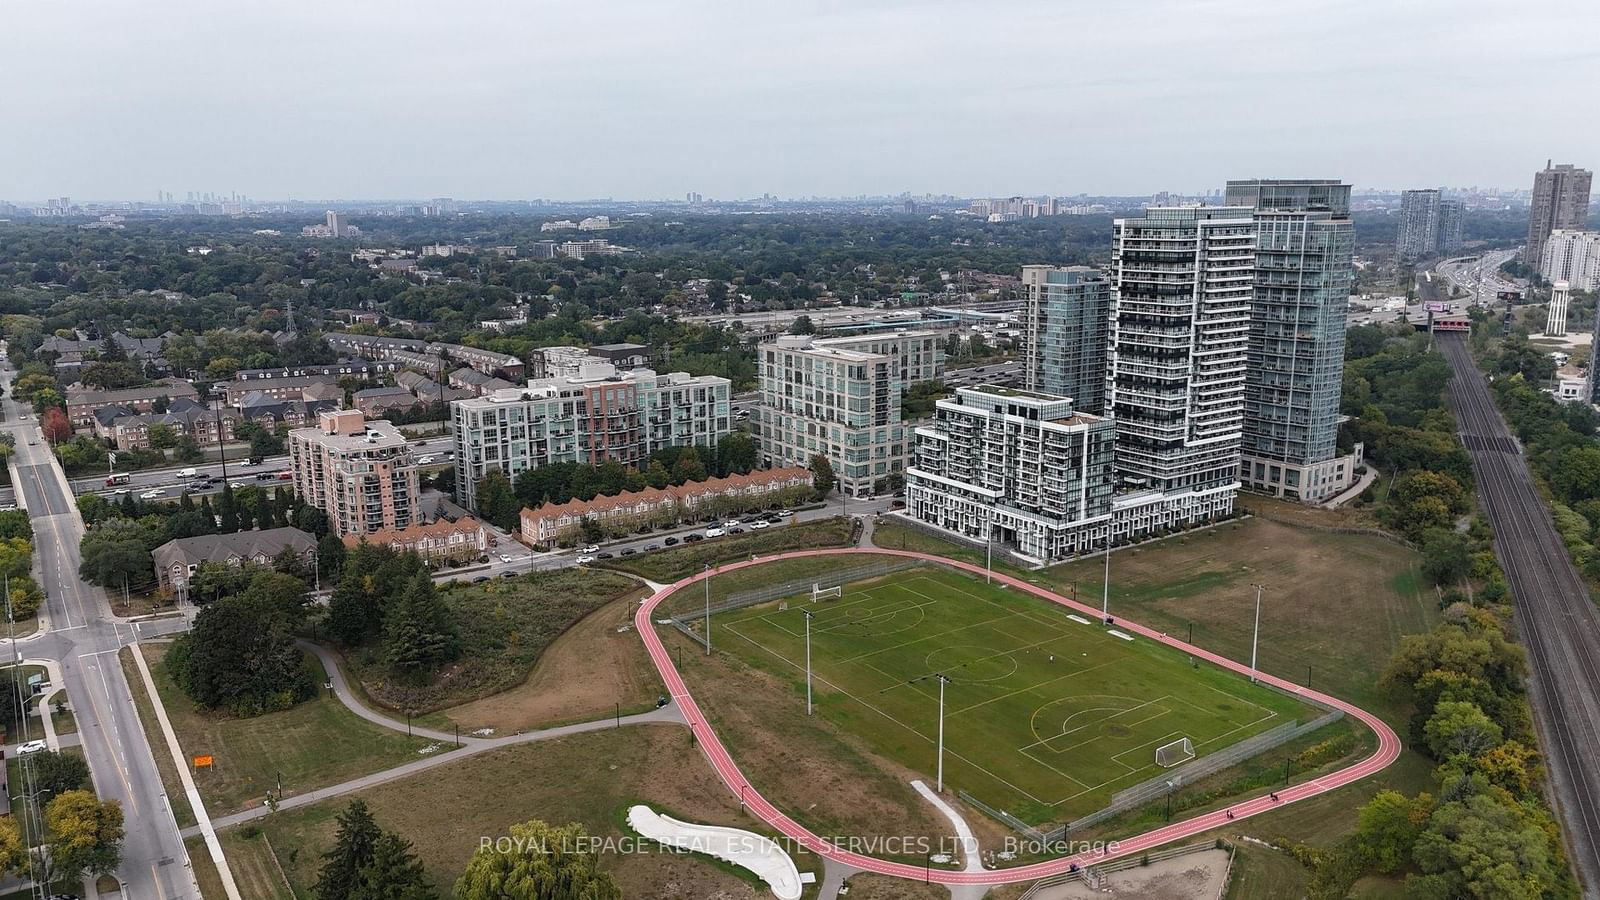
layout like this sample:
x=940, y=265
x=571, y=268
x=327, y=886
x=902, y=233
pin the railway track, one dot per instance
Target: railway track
x=1554, y=612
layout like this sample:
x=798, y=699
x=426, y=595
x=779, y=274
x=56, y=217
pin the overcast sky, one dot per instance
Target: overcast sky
x=478, y=99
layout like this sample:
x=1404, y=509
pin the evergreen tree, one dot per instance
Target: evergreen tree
x=353, y=608
x=130, y=509
x=417, y=631
x=228, y=510
x=351, y=853
x=394, y=873
x=208, y=516
x=330, y=557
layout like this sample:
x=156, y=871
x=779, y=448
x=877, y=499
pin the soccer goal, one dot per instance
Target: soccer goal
x=1179, y=751
x=826, y=593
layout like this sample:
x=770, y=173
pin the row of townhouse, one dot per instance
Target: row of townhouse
x=410, y=351
x=83, y=404
x=440, y=541
x=555, y=522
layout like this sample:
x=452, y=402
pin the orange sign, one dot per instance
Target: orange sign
x=202, y=762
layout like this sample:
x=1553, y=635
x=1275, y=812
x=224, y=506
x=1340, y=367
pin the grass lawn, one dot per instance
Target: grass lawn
x=590, y=778
x=593, y=669
x=64, y=722
x=506, y=626
x=314, y=744
x=688, y=559
x=205, y=871
x=1045, y=716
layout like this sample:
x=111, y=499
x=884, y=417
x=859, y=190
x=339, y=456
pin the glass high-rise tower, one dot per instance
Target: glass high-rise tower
x=1067, y=318
x=1298, y=315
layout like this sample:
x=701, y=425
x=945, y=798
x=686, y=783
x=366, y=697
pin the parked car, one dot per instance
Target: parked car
x=505, y=557
x=785, y=513
x=31, y=747
x=760, y=523
x=628, y=551
x=730, y=523
x=585, y=560
x=508, y=574
x=480, y=578
x=670, y=541
x=693, y=538
x=652, y=547
x=715, y=532
x=590, y=549
x=736, y=530
x=605, y=555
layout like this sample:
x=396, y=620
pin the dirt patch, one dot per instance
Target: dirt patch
x=882, y=887
x=1189, y=877
x=585, y=674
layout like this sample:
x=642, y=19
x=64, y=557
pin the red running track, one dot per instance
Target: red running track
x=1388, y=744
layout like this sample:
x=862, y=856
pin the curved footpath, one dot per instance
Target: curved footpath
x=734, y=779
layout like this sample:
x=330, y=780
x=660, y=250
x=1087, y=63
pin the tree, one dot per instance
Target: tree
x=417, y=632
x=1479, y=848
x=227, y=511
x=688, y=467
x=351, y=852
x=311, y=520
x=82, y=835
x=16, y=557
x=497, y=502
x=736, y=454
x=280, y=591
x=330, y=557
x=13, y=851
x=1459, y=727
x=822, y=477
x=393, y=873
x=540, y=862
x=1446, y=556
x=59, y=773
x=802, y=324
x=1388, y=827
x=240, y=656
x=55, y=426
x=188, y=450
x=162, y=437
x=656, y=475
x=111, y=557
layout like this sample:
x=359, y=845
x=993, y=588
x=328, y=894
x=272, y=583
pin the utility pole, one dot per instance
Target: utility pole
x=1255, y=638
x=222, y=447
x=807, y=614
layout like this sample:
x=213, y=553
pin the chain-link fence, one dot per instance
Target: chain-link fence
x=798, y=586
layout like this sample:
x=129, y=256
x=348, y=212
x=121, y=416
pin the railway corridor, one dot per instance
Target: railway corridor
x=1554, y=612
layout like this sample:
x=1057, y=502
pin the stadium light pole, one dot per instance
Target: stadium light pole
x=708, y=609
x=939, y=781
x=1255, y=638
x=807, y=614
x=1105, y=595
x=988, y=548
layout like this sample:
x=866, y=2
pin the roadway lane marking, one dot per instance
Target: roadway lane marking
x=99, y=653
x=155, y=878
x=116, y=758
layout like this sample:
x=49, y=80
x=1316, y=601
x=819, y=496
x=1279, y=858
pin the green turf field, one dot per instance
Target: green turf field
x=1045, y=717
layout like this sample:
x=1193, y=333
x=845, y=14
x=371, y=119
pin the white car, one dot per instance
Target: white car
x=731, y=523
x=715, y=532
x=249, y=463
x=761, y=524
x=151, y=495
x=119, y=492
x=585, y=560
x=31, y=747
x=425, y=461
x=590, y=549
x=505, y=557
x=785, y=513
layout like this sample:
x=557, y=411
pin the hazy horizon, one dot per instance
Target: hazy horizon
x=490, y=100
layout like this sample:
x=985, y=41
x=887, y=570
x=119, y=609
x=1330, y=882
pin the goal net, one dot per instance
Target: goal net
x=826, y=593
x=1179, y=751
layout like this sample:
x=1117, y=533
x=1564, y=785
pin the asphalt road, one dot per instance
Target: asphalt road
x=81, y=634
x=1555, y=615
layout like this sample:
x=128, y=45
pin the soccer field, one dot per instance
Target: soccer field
x=1046, y=716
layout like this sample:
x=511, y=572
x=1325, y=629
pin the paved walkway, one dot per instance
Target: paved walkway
x=1387, y=750
x=470, y=746
x=1354, y=491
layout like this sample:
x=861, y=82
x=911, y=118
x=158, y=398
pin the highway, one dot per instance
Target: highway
x=78, y=629
x=1554, y=612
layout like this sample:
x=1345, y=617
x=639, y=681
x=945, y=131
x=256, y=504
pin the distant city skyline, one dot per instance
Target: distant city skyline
x=833, y=98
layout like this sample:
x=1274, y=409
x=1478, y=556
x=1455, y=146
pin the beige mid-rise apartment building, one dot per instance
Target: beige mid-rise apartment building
x=362, y=474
